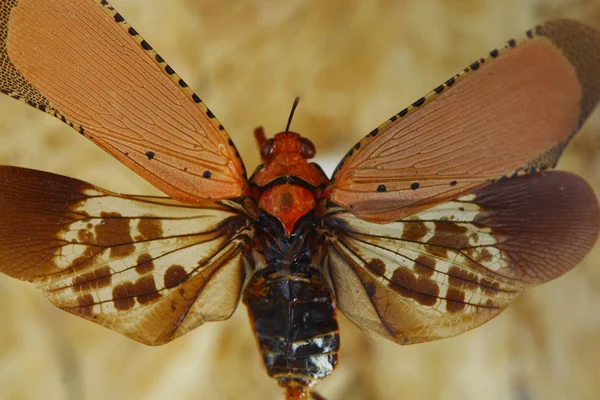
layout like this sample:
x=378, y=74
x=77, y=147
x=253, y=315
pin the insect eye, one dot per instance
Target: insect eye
x=307, y=149
x=266, y=150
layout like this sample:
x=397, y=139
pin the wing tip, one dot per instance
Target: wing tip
x=580, y=44
x=548, y=222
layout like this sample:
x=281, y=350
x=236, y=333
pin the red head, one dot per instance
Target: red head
x=286, y=142
x=287, y=154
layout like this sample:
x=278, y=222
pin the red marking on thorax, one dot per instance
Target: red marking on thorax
x=288, y=203
x=286, y=155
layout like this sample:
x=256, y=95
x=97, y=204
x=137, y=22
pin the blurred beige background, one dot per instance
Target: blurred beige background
x=354, y=63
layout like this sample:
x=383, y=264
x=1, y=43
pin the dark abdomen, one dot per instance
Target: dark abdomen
x=293, y=313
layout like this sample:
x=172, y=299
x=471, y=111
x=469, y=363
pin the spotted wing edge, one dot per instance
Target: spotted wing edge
x=564, y=34
x=162, y=184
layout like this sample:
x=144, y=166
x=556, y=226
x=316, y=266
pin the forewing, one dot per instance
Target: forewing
x=150, y=268
x=80, y=61
x=511, y=112
x=455, y=266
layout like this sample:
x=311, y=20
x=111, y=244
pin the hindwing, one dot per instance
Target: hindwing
x=448, y=269
x=150, y=268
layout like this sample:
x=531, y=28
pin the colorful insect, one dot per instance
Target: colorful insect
x=430, y=226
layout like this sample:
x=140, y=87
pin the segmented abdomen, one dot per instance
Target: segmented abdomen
x=293, y=313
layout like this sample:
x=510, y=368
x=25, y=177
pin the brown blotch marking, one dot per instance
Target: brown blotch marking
x=376, y=266
x=150, y=228
x=414, y=231
x=425, y=266
x=175, y=275
x=455, y=300
x=144, y=264
x=85, y=305
x=462, y=278
x=447, y=235
x=485, y=256
x=122, y=251
x=420, y=289
x=95, y=279
x=489, y=286
x=437, y=251
x=115, y=230
x=145, y=290
x=79, y=263
x=85, y=236
x=123, y=296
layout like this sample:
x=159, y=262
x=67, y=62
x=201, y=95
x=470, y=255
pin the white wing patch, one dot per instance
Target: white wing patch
x=438, y=265
x=149, y=267
x=456, y=265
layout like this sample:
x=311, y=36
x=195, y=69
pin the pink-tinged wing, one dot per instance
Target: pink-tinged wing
x=453, y=267
x=511, y=112
x=81, y=62
x=147, y=267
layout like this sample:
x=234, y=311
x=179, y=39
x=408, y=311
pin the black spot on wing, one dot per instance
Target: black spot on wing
x=145, y=45
x=419, y=102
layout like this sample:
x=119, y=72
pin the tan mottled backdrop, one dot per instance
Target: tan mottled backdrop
x=355, y=63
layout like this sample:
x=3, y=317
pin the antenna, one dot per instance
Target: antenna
x=296, y=101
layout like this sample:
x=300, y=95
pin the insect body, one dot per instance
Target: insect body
x=290, y=301
x=429, y=227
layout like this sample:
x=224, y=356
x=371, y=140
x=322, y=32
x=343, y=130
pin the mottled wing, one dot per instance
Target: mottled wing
x=148, y=267
x=511, y=112
x=453, y=267
x=81, y=62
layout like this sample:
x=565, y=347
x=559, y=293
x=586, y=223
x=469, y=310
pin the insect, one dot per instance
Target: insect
x=430, y=226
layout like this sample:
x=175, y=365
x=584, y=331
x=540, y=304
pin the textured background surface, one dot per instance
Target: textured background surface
x=355, y=63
